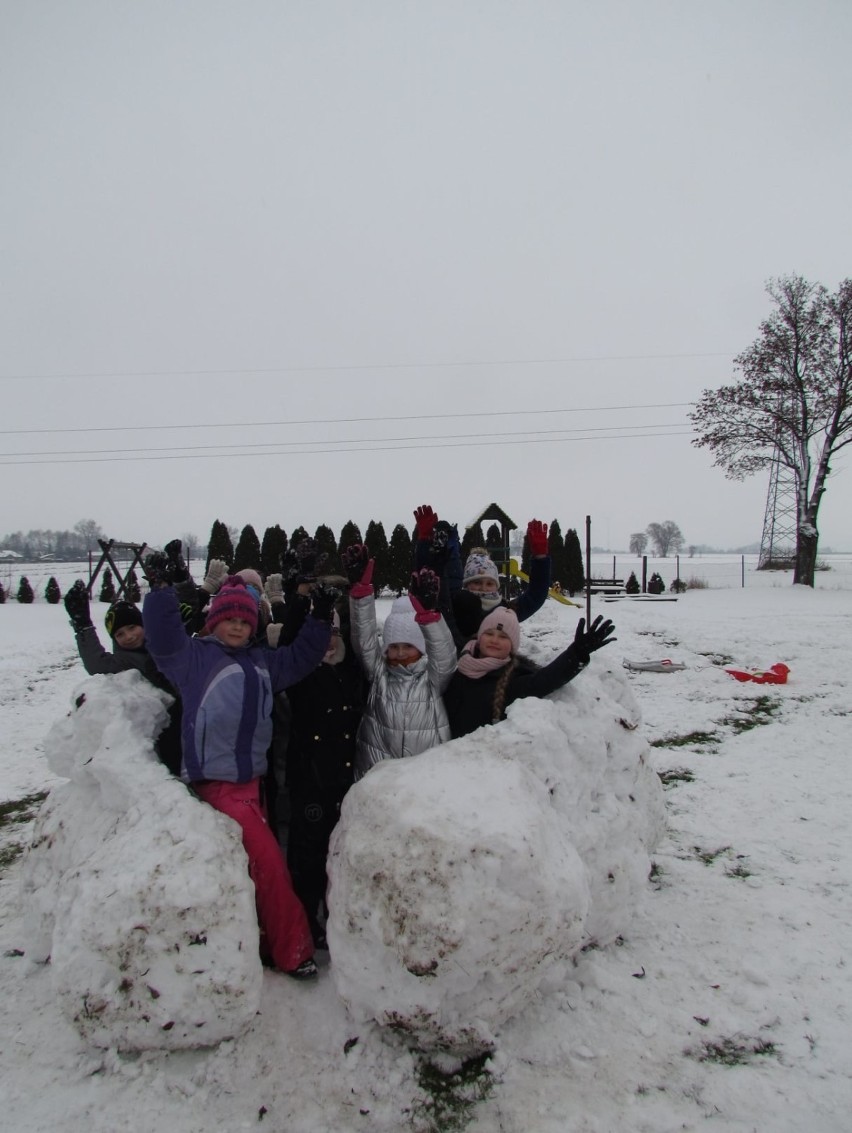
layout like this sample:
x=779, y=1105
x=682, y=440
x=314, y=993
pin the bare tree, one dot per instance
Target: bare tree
x=665, y=537
x=89, y=532
x=638, y=542
x=793, y=404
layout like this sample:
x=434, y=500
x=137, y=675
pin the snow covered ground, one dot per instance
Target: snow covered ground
x=725, y=1004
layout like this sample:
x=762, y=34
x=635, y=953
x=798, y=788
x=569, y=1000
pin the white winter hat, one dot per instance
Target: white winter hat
x=479, y=565
x=400, y=626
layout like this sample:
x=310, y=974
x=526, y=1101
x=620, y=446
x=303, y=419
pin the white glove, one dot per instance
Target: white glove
x=274, y=589
x=217, y=572
x=273, y=632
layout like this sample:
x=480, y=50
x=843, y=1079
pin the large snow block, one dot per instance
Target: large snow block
x=452, y=893
x=136, y=892
x=462, y=878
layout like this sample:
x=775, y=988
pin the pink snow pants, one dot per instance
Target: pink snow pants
x=279, y=910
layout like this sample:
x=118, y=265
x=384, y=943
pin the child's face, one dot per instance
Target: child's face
x=482, y=585
x=401, y=653
x=495, y=643
x=129, y=637
x=233, y=632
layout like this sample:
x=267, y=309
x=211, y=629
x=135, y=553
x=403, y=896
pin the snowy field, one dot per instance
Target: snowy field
x=724, y=1005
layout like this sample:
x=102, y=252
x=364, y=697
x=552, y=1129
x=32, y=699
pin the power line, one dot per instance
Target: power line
x=5, y=463
x=360, y=367
x=351, y=440
x=346, y=420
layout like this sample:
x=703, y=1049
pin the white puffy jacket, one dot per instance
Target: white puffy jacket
x=405, y=711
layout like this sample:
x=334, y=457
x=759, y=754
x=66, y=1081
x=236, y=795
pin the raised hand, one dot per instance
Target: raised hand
x=354, y=560
x=323, y=600
x=587, y=641
x=274, y=588
x=425, y=587
x=426, y=520
x=158, y=569
x=180, y=573
x=77, y=606
x=537, y=537
x=217, y=571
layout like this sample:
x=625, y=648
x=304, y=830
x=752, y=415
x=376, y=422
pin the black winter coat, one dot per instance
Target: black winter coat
x=326, y=710
x=470, y=700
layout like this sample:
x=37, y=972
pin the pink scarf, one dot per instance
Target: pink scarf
x=476, y=667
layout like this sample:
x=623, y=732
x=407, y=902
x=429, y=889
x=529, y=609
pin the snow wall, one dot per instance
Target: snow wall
x=463, y=879
x=137, y=893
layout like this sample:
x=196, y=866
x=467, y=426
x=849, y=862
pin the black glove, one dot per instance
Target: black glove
x=289, y=572
x=310, y=560
x=173, y=550
x=77, y=606
x=323, y=599
x=439, y=546
x=354, y=560
x=425, y=586
x=159, y=569
x=586, y=641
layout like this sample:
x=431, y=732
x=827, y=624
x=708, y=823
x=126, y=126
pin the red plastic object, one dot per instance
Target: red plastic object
x=774, y=675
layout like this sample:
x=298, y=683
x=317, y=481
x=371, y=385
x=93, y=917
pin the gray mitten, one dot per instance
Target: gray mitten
x=217, y=572
x=274, y=588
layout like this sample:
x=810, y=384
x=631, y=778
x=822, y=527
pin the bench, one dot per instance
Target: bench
x=605, y=585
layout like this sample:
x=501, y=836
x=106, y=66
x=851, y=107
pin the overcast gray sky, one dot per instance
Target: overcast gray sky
x=300, y=263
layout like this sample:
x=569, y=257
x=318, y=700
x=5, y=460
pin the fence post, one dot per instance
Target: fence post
x=644, y=574
x=742, y=560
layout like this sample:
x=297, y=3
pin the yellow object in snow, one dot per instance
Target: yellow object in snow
x=516, y=572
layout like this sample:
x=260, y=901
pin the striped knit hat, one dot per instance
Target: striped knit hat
x=233, y=601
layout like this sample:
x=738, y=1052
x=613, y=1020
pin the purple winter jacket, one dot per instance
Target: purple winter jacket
x=226, y=693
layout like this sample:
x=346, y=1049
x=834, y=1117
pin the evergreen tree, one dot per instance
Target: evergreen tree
x=350, y=533
x=399, y=559
x=575, y=572
x=25, y=591
x=133, y=590
x=631, y=586
x=107, y=593
x=2, y=594
x=220, y=545
x=327, y=544
x=556, y=550
x=247, y=550
x=300, y=534
x=656, y=584
x=273, y=547
x=52, y=593
x=377, y=541
x=473, y=537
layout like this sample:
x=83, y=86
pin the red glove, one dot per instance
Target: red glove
x=426, y=520
x=422, y=616
x=537, y=537
x=364, y=588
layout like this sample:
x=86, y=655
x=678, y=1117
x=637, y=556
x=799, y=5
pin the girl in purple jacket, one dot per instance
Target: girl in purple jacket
x=226, y=686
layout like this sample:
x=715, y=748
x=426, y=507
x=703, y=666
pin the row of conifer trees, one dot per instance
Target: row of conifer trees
x=393, y=557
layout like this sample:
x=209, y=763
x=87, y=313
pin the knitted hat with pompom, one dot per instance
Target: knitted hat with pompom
x=234, y=600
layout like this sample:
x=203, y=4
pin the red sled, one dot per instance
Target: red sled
x=774, y=675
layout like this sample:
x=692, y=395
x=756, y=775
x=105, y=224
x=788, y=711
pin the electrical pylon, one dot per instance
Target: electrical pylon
x=780, y=521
